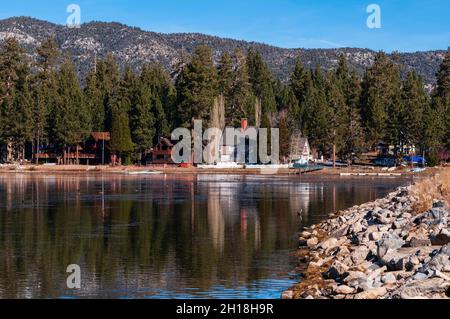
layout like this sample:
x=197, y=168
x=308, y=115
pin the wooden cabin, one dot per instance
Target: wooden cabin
x=94, y=151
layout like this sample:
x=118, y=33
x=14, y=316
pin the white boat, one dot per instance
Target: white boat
x=144, y=173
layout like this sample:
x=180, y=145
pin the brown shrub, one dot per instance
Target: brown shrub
x=430, y=189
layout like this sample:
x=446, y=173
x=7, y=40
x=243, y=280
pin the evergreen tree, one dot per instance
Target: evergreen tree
x=44, y=91
x=197, y=87
x=260, y=78
x=94, y=98
x=240, y=101
x=225, y=75
x=15, y=99
x=285, y=138
x=299, y=81
x=441, y=98
x=415, y=100
x=108, y=78
x=163, y=97
x=355, y=139
x=287, y=103
x=380, y=101
x=121, y=144
x=339, y=113
x=71, y=118
x=141, y=119
x=317, y=115
x=351, y=133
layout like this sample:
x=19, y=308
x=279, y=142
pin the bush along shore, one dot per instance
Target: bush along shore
x=397, y=247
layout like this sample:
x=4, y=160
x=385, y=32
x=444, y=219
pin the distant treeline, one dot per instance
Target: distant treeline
x=43, y=103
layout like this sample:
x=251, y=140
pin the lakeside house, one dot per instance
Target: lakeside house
x=161, y=153
x=300, y=150
x=94, y=151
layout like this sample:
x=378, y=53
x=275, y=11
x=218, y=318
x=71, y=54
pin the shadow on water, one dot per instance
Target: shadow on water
x=188, y=236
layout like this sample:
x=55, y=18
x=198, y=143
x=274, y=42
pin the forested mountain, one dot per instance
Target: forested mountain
x=54, y=93
x=134, y=47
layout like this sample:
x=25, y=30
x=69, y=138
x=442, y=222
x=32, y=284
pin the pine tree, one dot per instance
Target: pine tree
x=240, y=100
x=121, y=143
x=299, y=81
x=380, y=100
x=287, y=103
x=260, y=78
x=441, y=98
x=71, y=118
x=121, y=100
x=141, y=119
x=355, y=139
x=317, y=115
x=339, y=113
x=225, y=75
x=285, y=138
x=349, y=87
x=44, y=91
x=164, y=97
x=108, y=78
x=395, y=122
x=415, y=100
x=94, y=98
x=15, y=99
x=197, y=87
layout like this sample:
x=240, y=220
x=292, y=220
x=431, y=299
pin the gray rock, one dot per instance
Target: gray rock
x=428, y=288
x=445, y=250
x=356, y=228
x=439, y=204
x=412, y=263
x=383, y=218
x=359, y=254
x=439, y=262
x=389, y=242
x=443, y=238
x=415, y=242
x=344, y=290
x=400, y=223
x=372, y=294
x=406, y=216
x=389, y=278
x=342, y=252
x=336, y=271
x=420, y=276
x=375, y=236
x=438, y=213
x=394, y=260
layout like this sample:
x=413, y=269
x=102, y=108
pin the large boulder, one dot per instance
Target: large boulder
x=389, y=241
x=359, y=254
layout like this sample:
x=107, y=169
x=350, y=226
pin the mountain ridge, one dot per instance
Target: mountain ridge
x=134, y=46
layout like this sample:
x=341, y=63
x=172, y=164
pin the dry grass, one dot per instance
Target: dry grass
x=430, y=189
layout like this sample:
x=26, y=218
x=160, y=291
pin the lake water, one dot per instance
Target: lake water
x=165, y=236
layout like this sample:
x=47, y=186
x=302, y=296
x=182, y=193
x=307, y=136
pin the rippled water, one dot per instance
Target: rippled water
x=168, y=236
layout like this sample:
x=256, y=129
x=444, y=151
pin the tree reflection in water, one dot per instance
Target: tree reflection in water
x=161, y=236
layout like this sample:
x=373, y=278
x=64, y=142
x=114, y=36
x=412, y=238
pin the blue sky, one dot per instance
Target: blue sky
x=407, y=25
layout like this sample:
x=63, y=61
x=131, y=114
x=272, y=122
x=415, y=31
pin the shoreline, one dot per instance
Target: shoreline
x=396, y=247
x=351, y=172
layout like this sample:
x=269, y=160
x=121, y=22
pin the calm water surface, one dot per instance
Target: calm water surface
x=168, y=236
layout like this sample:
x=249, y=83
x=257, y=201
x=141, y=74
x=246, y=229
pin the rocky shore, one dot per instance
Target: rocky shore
x=397, y=247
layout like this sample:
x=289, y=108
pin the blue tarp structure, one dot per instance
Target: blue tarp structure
x=415, y=159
